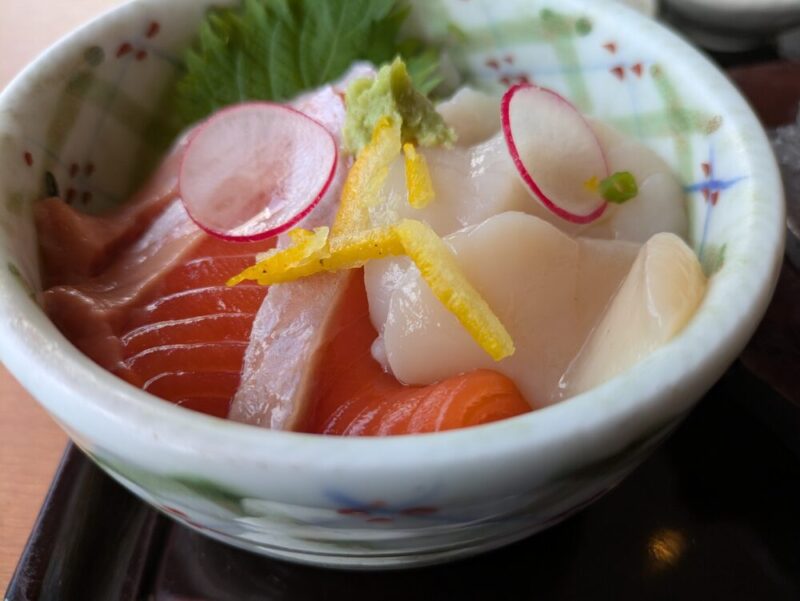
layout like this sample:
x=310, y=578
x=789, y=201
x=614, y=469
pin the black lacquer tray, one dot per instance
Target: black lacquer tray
x=713, y=514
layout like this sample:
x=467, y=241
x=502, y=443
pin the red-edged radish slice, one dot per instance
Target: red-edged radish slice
x=555, y=151
x=254, y=170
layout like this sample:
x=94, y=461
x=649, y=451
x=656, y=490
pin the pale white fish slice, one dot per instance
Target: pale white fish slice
x=660, y=205
x=471, y=184
x=657, y=299
x=473, y=115
x=541, y=284
x=291, y=324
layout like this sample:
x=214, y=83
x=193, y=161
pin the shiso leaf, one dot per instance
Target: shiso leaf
x=275, y=49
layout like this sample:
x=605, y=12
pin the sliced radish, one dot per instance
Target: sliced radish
x=555, y=151
x=254, y=170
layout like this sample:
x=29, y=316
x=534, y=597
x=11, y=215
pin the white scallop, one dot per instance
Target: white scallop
x=548, y=290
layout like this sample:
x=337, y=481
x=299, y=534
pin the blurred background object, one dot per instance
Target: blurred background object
x=29, y=26
x=789, y=44
x=786, y=142
x=732, y=25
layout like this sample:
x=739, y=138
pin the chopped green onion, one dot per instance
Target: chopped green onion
x=619, y=187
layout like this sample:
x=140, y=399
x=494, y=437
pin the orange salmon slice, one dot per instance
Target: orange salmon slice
x=157, y=312
x=351, y=395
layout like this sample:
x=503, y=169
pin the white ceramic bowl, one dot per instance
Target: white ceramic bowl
x=413, y=499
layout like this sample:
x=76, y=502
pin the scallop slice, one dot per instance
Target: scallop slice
x=602, y=266
x=658, y=297
x=471, y=185
x=474, y=115
x=477, y=179
x=535, y=278
x=661, y=203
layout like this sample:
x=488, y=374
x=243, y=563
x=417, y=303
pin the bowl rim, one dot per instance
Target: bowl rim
x=44, y=361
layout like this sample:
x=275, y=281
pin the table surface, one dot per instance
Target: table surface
x=30, y=442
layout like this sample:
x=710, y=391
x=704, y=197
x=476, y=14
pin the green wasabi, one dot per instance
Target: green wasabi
x=392, y=93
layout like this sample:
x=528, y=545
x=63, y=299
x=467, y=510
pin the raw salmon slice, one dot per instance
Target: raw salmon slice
x=351, y=395
x=75, y=246
x=159, y=314
x=205, y=392
x=142, y=291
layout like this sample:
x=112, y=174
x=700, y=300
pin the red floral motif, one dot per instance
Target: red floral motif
x=619, y=70
x=521, y=78
x=711, y=186
x=77, y=190
x=509, y=80
x=378, y=512
x=185, y=518
x=153, y=30
x=709, y=194
x=352, y=511
x=140, y=53
x=504, y=77
x=419, y=511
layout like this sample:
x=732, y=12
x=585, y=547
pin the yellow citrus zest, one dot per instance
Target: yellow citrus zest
x=312, y=254
x=365, y=179
x=352, y=242
x=418, y=178
x=306, y=249
x=438, y=267
x=436, y=263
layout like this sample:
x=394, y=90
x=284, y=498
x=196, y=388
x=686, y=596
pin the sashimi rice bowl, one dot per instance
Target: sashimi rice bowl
x=378, y=284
